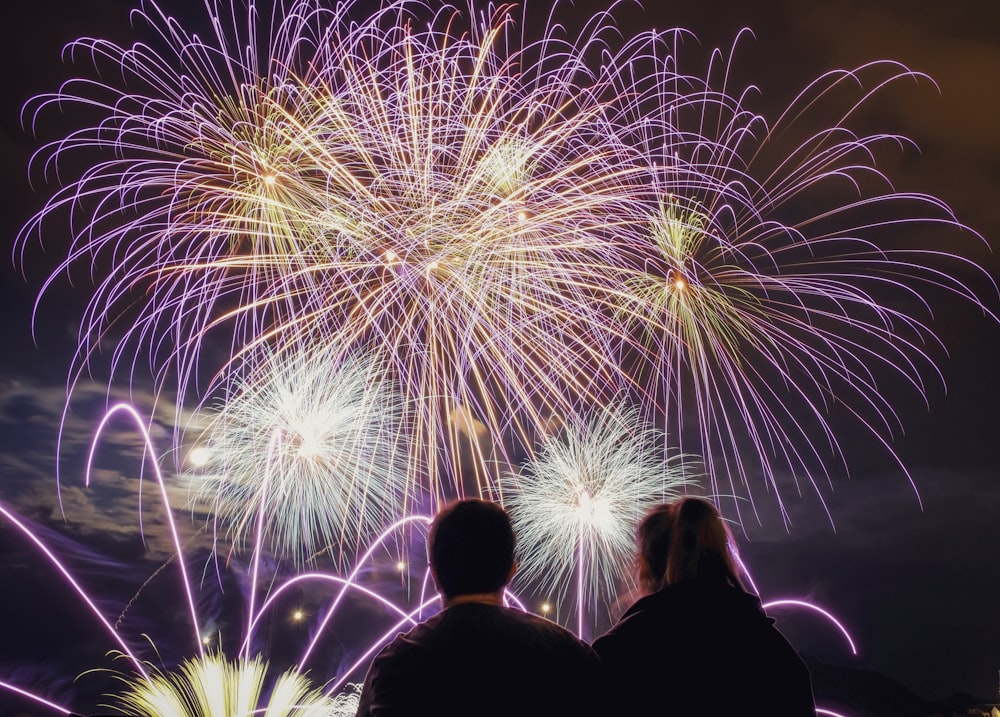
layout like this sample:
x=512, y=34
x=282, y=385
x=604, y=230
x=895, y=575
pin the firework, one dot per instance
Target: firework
x=310, y=443
x=576, y=505
x=442, y=194
x=423, y=241
x=777, y=281
x=214, y=687
x=513, y=234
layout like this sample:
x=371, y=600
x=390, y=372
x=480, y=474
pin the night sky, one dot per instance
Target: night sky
x=917, y=586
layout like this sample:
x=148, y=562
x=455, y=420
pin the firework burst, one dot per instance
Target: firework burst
x=576, y=505
x=777, y=281
x=215, y=687
x=313, y=441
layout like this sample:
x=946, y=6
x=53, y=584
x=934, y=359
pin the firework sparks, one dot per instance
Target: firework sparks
x=506, y=236
x=610, y=456
x=576, y=505
x=214, y=687
x=777, y=281
x=500, y=226
x=441, y=196
x=314, y=442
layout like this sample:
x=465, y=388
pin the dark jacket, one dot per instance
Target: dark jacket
x=478, y=660
x=705, y=649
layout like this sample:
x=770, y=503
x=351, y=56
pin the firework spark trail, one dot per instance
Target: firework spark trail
x=33, y=697
x=260, y=507
x=829, y=617
x=344, y=583
x=351, y=578
x=214, y=683
x=51, y=557
x=327, y=429
x=806, y=605
x=509, y=598
x=380, y=642
x=219, y=680
x=149, y=451
x=760, y=299
x=576, y=505
x=608, y=447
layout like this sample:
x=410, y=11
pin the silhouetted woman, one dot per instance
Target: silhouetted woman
x=698, y=643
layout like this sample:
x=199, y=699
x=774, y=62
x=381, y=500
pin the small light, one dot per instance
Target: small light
x=298, y=615
x=546, y=608
x=199, y=456
x=522, y=216
x=206, y=640
x=270, y=179
x=401, y=566
x=389, y=256
x=680, y=284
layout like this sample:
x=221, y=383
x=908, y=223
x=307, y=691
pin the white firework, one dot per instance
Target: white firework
x=308, y=453
x=575, y=507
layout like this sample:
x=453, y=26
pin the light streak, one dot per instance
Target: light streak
x=149, y=451
x=58, y=564
x=217, y=686
x=377, y=644
x=803, y=604
x=32, y=696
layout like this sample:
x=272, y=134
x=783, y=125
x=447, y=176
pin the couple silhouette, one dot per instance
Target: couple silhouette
x=697, y=643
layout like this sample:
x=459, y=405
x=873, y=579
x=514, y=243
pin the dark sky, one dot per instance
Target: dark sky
x=917, y=587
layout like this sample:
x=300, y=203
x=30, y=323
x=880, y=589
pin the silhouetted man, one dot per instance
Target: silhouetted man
x=477, y=658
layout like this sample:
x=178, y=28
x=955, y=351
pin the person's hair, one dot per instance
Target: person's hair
x=701, y=545
x=471, y=547
x=653, y=539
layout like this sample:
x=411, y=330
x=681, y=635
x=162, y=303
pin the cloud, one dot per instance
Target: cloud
x=122, y=508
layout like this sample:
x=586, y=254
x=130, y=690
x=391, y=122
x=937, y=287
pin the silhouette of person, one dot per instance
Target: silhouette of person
x=698, y=643
x=476, y=656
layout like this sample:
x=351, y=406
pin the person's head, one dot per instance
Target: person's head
x=653, y=539
x=471, y=548
x=701, y=545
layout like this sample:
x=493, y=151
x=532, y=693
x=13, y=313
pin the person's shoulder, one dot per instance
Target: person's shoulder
x=552, y=632
x=747, y=604
x=410, y=640
x=647, y=615
x=656, y=605
x=537, y=622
